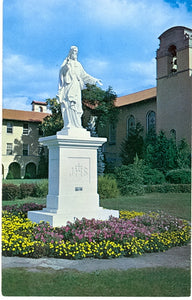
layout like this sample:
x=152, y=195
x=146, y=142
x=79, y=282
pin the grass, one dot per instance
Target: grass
x=177, y=204
x=162, y=282
x=19, y=181
x=25, y=200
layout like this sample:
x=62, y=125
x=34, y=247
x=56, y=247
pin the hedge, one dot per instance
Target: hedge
x=168, y=188
x=179, y=176
x=11, y=191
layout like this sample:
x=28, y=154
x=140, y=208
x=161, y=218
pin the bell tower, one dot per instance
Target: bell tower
x=174, y=82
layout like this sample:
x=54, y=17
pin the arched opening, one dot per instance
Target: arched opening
x=30, y=170
x=40, y=109
x=151, y=122
x=173, y=59
x=130, y=124
x=173, y=134
x=14, y=171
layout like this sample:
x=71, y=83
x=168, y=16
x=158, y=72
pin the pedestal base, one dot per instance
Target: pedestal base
x=61, y=219
x=72, y=179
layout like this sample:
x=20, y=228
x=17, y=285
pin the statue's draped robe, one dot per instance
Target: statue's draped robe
x=72, y=79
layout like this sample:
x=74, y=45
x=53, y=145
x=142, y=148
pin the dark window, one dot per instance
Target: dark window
x=25, y=149
x=173, y=134
x=9, y=127
x=151, y=121
x=25, y=128
x=112, y=133
x=9, y=149
x=130, y=124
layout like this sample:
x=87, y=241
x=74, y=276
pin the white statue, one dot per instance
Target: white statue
x=72, y=79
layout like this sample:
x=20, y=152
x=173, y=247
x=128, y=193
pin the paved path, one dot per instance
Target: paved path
x=177, y=257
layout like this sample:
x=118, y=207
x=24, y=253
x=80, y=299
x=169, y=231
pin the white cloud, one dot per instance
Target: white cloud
x=16, y=102
x=30, y=79
x=132, y=13
x=98, y=65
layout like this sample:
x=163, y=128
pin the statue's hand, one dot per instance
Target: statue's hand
x=99, y=81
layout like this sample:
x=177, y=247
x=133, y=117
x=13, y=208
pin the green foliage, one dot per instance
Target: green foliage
x=10, y=191
x=102, y=105
x=164, y=154
x=184, y=155
x=152, y=176
x=43, y=164
x=133, y=145
x=161, y=154
x=41, y=189
x=107, y=187
x=168, y=188
x=10, y=175
x=179, y=176
x=54, y=122
x=129, y=179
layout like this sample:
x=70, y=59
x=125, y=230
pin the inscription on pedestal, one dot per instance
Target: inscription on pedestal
x=79, y=169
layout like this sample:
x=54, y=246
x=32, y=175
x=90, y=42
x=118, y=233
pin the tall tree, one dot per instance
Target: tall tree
x=133, y=145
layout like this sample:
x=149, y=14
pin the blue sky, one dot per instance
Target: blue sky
x=117, y=41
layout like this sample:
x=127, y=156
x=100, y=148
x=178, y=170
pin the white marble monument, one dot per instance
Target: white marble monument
x=72, y=156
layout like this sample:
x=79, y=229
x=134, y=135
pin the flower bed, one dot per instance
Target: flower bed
x=132, y=234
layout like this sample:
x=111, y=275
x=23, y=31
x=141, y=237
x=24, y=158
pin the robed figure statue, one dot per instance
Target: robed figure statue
x=72, y=79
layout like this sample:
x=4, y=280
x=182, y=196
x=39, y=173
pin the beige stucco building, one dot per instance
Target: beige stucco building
x=20, y=146
x=166, y=107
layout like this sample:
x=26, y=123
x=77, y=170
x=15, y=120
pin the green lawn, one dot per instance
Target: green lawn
x=25, y=200
x=19, y=181
x=162, y=282
x=178, y=204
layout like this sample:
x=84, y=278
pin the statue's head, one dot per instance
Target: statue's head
x=73, y=52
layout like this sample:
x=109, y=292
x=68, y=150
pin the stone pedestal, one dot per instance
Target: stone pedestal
x=72, y=179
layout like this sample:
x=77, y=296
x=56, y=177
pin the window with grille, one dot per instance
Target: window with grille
x=151, y=121
x=9, y=149
x=112, y=133
x=130, y=124
x=25, y=128
x=25, y=149
x=9, y=127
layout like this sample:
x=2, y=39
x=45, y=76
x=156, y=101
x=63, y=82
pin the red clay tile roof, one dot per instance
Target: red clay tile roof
x=21, y=115
x=136, y=97
x=39, y=102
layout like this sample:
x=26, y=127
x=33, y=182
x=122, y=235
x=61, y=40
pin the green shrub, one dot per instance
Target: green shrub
x=152, y=176
x=168, y=188
x=41, y=189
x=10, y=192
x=179, y=176
x=27, y=189
x=107, y=187
x=130, y=179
